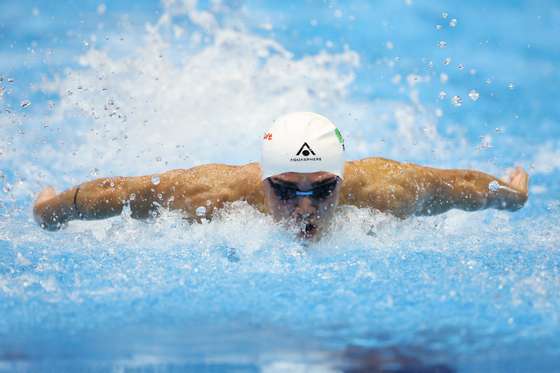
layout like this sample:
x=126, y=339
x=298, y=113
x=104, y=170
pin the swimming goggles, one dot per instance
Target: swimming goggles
x=287, y=192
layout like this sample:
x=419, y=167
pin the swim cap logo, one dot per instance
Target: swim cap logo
x=306, y=151
x=268, y=136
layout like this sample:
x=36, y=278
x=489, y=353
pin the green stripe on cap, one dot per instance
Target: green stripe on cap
x=339, y=136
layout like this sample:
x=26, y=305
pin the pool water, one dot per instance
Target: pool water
x=91, y=89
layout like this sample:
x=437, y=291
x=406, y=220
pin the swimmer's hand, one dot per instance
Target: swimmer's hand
x=518, y=179
x=513, y=191
x=51, y=209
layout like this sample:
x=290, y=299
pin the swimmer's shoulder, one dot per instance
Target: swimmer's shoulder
x=371, y=165
x=214, y=173
x=234, y=182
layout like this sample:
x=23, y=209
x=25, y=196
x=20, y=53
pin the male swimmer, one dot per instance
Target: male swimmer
x=301, y=180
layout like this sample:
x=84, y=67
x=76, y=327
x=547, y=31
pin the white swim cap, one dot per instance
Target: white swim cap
x=302, y=142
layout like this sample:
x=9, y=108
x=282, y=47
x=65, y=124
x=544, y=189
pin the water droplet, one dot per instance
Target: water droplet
x=443, y=77
x=474, y=95
x=126, y=210
x=442, y=95
x=94, y=171
x=101, y=8
x=155, y=179
x=21, y=260
x=132, y=196
x=447, y=61
x=442, y=44
x=494, y=186
x=488, y=81
x=499, y=130
x=453, y=22
x=200, y=211
x=389, y=45
x=439, y=113
x=10, y=80
x=444, y=15
x=439, y=27
x=25, y=103
x=456, y=101
x=511, y=86
x=460, y=66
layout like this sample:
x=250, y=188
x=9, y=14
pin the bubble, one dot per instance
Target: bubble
x=389, y=45
x=93, y=172
x=511, y=86
x=200, y=211
x=460, y=66
x=444, y=15
x=443, y=77
x=456, y=101
x=155, y=180
x=439, y=27
x=442, y=95
x=494, y=186
x=453, y=23
x=474, y=95
x=447, y=61
x=442, y=44
x=25, y=104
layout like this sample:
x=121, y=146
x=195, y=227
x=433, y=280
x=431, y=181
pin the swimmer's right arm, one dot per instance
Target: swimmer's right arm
x=210, y=186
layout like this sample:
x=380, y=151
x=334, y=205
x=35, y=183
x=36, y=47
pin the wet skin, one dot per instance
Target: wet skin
x=309, y=214
x=399, y=189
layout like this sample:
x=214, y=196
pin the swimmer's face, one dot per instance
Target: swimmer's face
x=307, y=200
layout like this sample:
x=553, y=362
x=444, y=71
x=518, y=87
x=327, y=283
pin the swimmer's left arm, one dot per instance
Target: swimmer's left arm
x=404, y=189
x=471, y=190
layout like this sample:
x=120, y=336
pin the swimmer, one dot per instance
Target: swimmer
x=301, y=179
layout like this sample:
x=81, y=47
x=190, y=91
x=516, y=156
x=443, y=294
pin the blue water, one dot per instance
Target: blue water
x=92, y=89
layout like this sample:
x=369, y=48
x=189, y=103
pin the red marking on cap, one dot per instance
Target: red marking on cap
x=267, y=136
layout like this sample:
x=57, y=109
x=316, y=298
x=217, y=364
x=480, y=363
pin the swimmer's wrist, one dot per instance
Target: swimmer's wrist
x=67, y=206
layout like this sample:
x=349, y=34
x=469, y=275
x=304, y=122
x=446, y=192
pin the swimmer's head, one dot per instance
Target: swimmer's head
x=302, y=169
x=302, y=142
